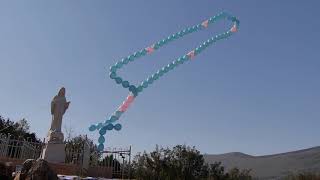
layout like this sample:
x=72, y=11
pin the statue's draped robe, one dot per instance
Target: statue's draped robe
x=58, y=108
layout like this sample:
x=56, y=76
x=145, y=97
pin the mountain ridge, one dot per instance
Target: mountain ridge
x=272, y=166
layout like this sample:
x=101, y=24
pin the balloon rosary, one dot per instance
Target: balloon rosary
x=109, y=125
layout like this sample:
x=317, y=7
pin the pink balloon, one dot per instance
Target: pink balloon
x=123, y=108
x=150, y=49
x=205, y=23
x=234, y=29
x=191, y=54
x=130, y=98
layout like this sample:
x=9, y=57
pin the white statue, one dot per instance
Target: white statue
x=54, y=150
x=59, y=105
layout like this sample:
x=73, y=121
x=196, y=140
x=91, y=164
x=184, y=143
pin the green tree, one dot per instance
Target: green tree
x=303, y=176
x=216, y=171
x=181, y=163
x=17, y=130
x=74, y=150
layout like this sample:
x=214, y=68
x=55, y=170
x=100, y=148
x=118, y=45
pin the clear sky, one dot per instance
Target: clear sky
x=257, y=92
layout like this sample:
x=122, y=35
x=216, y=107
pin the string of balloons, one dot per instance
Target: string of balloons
x=134, y=90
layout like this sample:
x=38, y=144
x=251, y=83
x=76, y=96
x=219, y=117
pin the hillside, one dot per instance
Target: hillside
x=271, y=166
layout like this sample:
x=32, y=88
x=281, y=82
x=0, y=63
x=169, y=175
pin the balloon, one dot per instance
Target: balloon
x=99, y=126
x=113, y=75
x=118, y=80
x=109, y=127
x=92, y=128
x=130, y=98
x=133, y=89
x=118, y=114
x=113, y=118
x=118, y=127
x=103, y=131
x=125, y=84
x=137, y=89
x=113, y=68
x=101, y=147
x=144, y=84
x=101, y=140
x=125, y=61
x=119, y=64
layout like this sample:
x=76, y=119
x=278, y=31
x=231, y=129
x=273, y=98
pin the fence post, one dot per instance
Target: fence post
x=22, y=150
x=130, y=163
x=6, y=149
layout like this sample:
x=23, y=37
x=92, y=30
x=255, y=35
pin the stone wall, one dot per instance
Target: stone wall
x=100, y=171
x=65, y=169
x=12, y=161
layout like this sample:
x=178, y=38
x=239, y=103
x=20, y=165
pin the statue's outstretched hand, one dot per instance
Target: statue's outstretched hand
x=67, y=105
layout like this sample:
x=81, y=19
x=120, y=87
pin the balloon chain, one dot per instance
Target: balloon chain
x=135, y=90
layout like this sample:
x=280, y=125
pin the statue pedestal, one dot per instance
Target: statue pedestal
x=54, y=150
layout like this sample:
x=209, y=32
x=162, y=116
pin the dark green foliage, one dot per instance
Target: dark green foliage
x=181, y=163
x=75, y=149
x=17, y=130
x=303, y=176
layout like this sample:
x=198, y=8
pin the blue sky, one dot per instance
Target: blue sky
x=257, y=92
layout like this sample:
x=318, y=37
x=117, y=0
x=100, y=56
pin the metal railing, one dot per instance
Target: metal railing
x=19, y=148
x=118, y=160
x=112, y=161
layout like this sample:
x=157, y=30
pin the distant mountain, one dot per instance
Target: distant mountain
x=271, y=166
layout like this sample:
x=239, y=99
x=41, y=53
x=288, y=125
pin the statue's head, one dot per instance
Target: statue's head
x=62, y=92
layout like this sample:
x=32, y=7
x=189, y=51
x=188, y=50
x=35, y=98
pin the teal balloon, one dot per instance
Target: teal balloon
x=102, y=131
x=155, y=76
x=156, y=46
x=118, y=127
x=125, y=60
x=164, y=70
x=143, y=52
x=100, y=147
x=175, y=63
x=171, y=66
x=144, y=84
x=101, y=140
x=160, y=73
x=118, y=114
x=132, y=88
x=92, y=127
x=197, y=50
x=150, y=80
x=181, y=60
x=113, y=68
x=118, y=80
x=139, y=89
x=125, y=84
x=99, y=126
x=136, y=54
x=131, y=58
x=113, y=118
x=109, y=127
x=184, y=31
x=113, y=75
x=119, y=64
x=135, y=93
